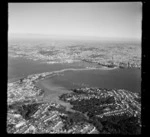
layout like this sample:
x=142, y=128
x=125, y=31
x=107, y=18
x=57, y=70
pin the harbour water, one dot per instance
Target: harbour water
x=129, y=79
x=21, y=67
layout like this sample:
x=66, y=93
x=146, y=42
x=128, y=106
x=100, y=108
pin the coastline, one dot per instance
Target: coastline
x=52, y=97
x=60, y=71
x=52, y=93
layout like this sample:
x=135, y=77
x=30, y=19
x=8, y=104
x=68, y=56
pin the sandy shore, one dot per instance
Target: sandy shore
x=63, y=70
x=79, y=69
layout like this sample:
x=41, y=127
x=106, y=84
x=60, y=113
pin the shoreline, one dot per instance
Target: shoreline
x=52, y=93
x=60, y=71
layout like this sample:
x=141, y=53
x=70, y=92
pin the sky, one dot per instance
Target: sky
x=99, y=19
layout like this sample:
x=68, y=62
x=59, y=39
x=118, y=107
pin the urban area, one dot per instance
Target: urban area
x=94, y=110
x=110, y=55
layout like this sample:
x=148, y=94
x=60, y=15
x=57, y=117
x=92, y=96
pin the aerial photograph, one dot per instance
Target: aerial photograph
x=74, y=68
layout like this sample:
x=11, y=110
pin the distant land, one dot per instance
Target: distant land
x=68, y=37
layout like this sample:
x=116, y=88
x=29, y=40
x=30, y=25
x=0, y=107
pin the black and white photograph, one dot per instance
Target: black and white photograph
x=74, y=68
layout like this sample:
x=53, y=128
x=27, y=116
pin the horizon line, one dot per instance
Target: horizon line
x=15, y=34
